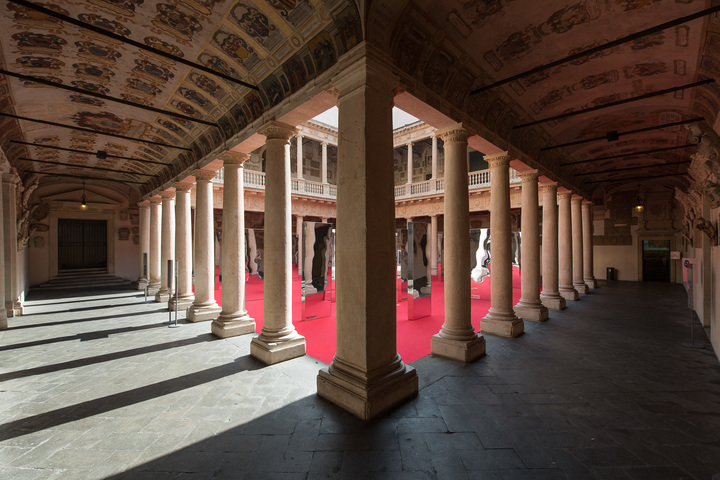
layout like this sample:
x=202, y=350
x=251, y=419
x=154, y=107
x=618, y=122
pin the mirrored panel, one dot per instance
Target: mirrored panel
x=441, y=266
x=254, y=253
x=418, y=270
x=479, y=259
x=515, y=246
x=317, y=282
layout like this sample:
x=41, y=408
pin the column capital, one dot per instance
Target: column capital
x=564, y=194
x=233, y=158
x=586, y=202
x=454, y=133
x=367, y=71
x=169, y=194
x=498, y=159
x=183, y=186
x=550, y=186
x=409, y=144
x=155, y=200
x=324, y=144
x=204, y=175
x=144, y=203
x=528, y=175
x=576, y=199
x=273, y=130
x=10, y=178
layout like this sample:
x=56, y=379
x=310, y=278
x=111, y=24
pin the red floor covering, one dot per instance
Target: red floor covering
x=413, y=336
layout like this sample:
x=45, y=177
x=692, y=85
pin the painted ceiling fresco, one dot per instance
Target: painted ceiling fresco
x=456, y=46
x=276, y=45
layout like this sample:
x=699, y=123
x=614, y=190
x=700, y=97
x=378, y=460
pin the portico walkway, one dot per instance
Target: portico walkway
x=94, y=386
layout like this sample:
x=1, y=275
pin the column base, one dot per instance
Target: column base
x=271, y=351
x=141, y=283
x=502, y=324
x=461, y=350
x=13, y=309
x=591, y=282
x=367, y=394
x=581, y=287
x=162, y=296
x=534, y=312
x=202, y=313
x=182, y=303
x=3, y=319
x=153, y=288
x=232, y=325
x=553, y=302
x=569, y=294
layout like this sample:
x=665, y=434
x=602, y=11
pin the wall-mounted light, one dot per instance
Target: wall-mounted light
x=639, y=207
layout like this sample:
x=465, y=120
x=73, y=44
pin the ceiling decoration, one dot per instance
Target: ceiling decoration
x=184, y=59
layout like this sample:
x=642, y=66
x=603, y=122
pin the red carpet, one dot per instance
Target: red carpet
x=413, y=336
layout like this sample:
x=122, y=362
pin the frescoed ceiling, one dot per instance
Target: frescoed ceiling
x=257, y=52
x=455, y=47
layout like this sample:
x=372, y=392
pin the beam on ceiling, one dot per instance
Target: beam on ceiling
x=632, y=179
x=90, y=130
x=632, y=168
x=114, y=170
x=600, y=48
x=619, y=102
x=74, y=150
x=629, y=132
x=633, y=154
x=120, y=38
x=88, y=178
x=161, y=111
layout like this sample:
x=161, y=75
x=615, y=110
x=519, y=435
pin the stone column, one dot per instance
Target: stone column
x=587, y=228
x=299, y=232
x=204, y=306
x=3, y=308
x=234, y=319
x=367, y=376
x=278, y=340
x=323, y=165
x=144, y=224
x=183, y=248
x=529, y=307
x=457, y=338
x=299, y=156
x=410, y=162
x=433, y=245
x=434, y=157
x=9, y=193
x=577, y=244
x=167, y=246
x=500, y=319
x=565, y=262
x=550, y=296
x=155, y=242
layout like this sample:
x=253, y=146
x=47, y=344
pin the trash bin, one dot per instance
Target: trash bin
x=610, y=275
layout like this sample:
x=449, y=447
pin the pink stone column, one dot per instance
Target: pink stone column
x=550, y=295
x=233, y=319
x=167, y=245
x=500, y=319
x=565, y=263
x=144, y=244
x=155, y=243
x=529, y=307
x=577, y=244
x=183, y=248
x=457, y=339
x=204, y=307
x=278, y=341
x=367, y=376
x=587, y=229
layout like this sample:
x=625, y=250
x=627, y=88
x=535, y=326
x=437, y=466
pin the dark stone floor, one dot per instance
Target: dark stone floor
x=99, y=387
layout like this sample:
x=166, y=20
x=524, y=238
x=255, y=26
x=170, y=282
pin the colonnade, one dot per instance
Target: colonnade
x=367, y=376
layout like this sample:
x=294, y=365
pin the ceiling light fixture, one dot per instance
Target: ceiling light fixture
x=83, y=200
x=639, y=203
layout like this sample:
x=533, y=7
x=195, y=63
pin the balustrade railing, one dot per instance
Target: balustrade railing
x=476, y=180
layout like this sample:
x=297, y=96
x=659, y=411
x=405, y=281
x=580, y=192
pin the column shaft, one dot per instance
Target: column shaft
x=299, y=156
x=9, y=194
x=167, y=246
x=565, y=263
x=434, y=157
x=144, y=244
x=529, y=307
x=204, y=306
x=410, y=162
x=550, y=296
x=433, y=244
x=155, y=242
x=577, y=245
x=500, y=319
x=234, y=319
x=323, y=165
x=278, y=340
x=587, y=229
x=301, y=252
x=367, y=376
x=183, y=248
x=457, y=338
x=3, y=309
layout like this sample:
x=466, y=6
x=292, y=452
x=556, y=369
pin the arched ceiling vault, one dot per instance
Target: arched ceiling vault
x=76, y=102
x=611, y=126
